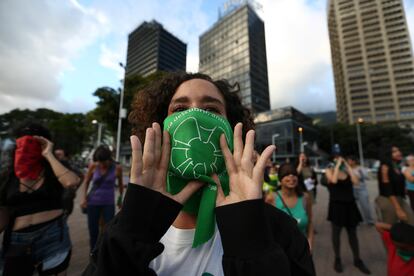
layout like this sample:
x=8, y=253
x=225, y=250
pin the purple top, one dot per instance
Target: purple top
x=105, y=193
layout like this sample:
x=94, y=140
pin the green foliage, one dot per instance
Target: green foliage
x=69, y=131
x=373, y=138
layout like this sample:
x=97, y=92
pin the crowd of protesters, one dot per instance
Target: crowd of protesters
x=240, y=214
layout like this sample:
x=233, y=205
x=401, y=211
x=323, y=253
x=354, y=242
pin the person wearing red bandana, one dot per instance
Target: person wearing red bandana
x=36, y=235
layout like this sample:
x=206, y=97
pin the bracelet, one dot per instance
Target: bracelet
x=62, y=174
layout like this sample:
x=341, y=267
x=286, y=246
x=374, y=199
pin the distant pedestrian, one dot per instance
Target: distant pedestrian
x=100, y=201
x=293, y=201
x=361, y=191
x=343, y=211
x=391, y=204
x=399, y=241
x=308, y=179
x=409, y=179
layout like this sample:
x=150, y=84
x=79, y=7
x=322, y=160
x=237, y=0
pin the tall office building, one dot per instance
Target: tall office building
x=151, y=48
x=372, y=60
x=234, y=48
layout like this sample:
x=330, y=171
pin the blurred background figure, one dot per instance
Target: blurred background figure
x=360, y=190
x=292, y=200
x=100, y=201
x=69, y=194
x=343, y=211
x=36, y=234
x=390, y=204
x=399, y=241
x=409, y=179
x=307, y=176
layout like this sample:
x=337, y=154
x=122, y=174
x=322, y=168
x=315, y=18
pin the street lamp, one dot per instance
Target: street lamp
x=300, y=129
x=361, y=153
x=121, y=115
x=274, y=136
x=98, y=140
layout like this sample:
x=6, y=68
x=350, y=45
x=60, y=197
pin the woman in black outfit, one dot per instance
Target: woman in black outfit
x=254, y=238
x=36, y=235
x=343, y=211
x=391, y=204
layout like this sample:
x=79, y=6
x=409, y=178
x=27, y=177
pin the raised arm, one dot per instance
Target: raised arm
x=65, y=176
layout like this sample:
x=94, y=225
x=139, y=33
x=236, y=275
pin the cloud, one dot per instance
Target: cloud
x=39, y=39
x=298, y=53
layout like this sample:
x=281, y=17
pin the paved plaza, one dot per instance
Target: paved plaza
x=371, y=248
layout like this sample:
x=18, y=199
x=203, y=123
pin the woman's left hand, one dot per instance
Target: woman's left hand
x=47, y=146
x=246, y=177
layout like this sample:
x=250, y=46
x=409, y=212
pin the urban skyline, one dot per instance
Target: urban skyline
x=75, y=46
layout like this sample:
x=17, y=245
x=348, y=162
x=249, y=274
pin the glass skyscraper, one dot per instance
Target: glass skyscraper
x=151, y=48
x=234, y=49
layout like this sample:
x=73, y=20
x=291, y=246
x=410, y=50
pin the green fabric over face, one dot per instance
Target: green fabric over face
x=196, y=155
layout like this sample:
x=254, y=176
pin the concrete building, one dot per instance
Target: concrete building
x=290, y=130
x=372, y=61
x=234, y=49
x=151, y=48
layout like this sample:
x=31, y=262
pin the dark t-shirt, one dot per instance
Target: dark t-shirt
x=342, y=191
x=396, y=186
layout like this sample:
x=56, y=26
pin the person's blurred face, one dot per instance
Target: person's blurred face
x=198, y=93
x=410, y=160
x=396, y=154
x=60, y=154
x=303, y=157
x=290, y=181
x=351, y=162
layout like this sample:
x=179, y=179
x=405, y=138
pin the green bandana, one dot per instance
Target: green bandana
x=196, y=154
x=405, y=255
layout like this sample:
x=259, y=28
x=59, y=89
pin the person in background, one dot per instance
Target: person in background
x=36, y=234
x=409, y=179
x=100, y=201
x=69, y=194
x=391, y=204
x=307, y=176
x=270, y=180
x=343, y=211
x=360, y=190
x=293, y=201
x=399, y=241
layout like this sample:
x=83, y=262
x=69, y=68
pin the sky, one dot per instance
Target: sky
x=55, y=54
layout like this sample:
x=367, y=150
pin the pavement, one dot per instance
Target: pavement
x=371, y=248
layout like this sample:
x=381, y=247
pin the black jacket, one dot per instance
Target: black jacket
x=257, y=238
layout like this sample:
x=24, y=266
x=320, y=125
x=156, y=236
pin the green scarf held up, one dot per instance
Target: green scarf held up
x=196, y=155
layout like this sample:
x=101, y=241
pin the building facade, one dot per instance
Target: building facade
x=234, y=49
x=372, y=61
x=290, y=130
x=151, y=48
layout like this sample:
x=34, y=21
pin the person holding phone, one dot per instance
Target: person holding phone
x=343, y=211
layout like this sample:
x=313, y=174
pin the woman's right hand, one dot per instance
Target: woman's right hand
x=150, y=165
x=84, y=204
x=402, y=216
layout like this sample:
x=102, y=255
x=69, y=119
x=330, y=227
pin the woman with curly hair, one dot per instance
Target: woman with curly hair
x=194, y=205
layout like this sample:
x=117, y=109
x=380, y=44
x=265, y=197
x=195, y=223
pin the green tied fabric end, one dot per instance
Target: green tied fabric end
x=196, y=155
x=405, y=255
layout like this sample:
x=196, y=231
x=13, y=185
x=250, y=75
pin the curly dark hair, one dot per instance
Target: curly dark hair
x=31, y=128
x=102, y=153
x=151, y=103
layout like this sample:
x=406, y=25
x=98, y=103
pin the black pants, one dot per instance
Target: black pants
x=352, y=238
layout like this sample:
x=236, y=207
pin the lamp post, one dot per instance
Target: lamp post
x=274, y=136
x=98, y=140
x=121, y=115
x=361, y=153
x=300, y=129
